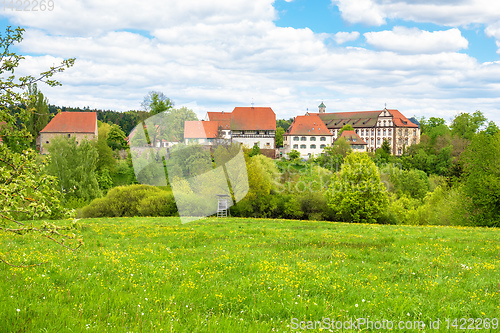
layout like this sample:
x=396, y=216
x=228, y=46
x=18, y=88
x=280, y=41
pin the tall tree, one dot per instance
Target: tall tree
x=481, y=179
x=75, y=167
x=24, y=188
x=356, y=193
x=38, y=108
x=279, y=137
x=156, y=102
x=465, y=125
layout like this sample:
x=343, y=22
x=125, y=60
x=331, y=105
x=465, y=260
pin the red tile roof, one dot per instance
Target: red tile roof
x=200, y=129
x=400, y=120
x=361, y=119
x=352, y=138
x=253, y=118
x=224, y=118
x=72, y=122
x=308, y=125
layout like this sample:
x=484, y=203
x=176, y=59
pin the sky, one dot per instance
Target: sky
x=431, y=58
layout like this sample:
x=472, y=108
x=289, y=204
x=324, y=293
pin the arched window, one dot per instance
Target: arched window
x=313, y=138
x=373, y=131
x=384, y=131
x=303, y=138
x=390, y=131
x=322, y=138
x=295, y=146
x=322, y=146
x=378, y=131
x=378, y=141
x=295, y=138
x=313, y=146
x=372, y=140
x=406, y=141
x=384, y=122
x=399, y=151
x=303, y=146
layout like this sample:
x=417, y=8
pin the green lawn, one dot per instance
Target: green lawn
x=240, y=275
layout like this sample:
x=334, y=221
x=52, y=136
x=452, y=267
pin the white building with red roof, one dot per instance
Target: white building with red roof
x=357, y=144
x=248, y=125
x=308, y=135
x=200, y=132
x=80, y=125
x=373, y=127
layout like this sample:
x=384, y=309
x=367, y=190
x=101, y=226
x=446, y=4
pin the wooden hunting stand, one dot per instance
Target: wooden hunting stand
x=222, y=205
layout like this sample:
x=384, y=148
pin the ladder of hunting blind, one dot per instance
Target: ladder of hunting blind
x=222, y=206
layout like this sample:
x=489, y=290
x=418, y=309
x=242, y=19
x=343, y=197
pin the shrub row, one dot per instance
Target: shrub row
x=133, y=200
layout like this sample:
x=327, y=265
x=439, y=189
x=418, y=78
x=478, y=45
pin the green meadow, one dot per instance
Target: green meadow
x=249, y=275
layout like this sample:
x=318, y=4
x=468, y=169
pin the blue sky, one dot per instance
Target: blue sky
x=425, y=58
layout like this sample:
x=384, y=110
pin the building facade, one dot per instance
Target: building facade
x=373, y=127
x=308, y=135
x=249, y=126
x=79, y=125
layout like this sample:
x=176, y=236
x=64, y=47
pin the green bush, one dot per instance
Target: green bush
x=121, y=201
x=162, y=204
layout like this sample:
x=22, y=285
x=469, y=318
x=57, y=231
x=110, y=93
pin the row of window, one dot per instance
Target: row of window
x=312, y=138
x=379, y=131
x=379, y=140
x=311, y=146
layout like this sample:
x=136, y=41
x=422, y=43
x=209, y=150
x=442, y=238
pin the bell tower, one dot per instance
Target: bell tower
x=322, y=108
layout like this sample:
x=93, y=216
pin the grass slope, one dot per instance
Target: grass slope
x=247, y=275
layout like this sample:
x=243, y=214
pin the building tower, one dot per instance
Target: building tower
x=322, y=108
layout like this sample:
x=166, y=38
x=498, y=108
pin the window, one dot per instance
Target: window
x=303, y=138
x=313, y=146
x=390, y=131
x=46, y=142
x=414, y=131
x=389, y=123
x=400, y=131
x=379, y=123
x=399, y=151
x=356, y=131
x=322, y=146
x=390, y=139
x=373, y=131
x=378, y=131
x=69, y=135
x=313, y=138
x=406, y=131
x=372, y=140
x=295, y=146
x=385, y=132
x=406, y=141
x=302, y=146
x=378, y=141
x=362, y=132
x=295, y=138
x=399, y=141
x=322, y=138
x=384, y=122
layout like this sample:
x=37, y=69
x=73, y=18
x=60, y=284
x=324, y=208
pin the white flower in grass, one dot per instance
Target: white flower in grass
x=356, y=305
x=18, y=310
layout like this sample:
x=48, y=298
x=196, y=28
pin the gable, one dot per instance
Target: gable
x=253, y=119
x=72, y=122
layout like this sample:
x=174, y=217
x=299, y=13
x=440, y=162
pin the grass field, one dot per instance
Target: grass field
x=248, y=275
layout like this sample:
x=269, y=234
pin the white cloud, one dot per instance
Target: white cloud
x=413, y=40
x=344, y=37
x=360, y=11
x=452, y=13
x=219, y=59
